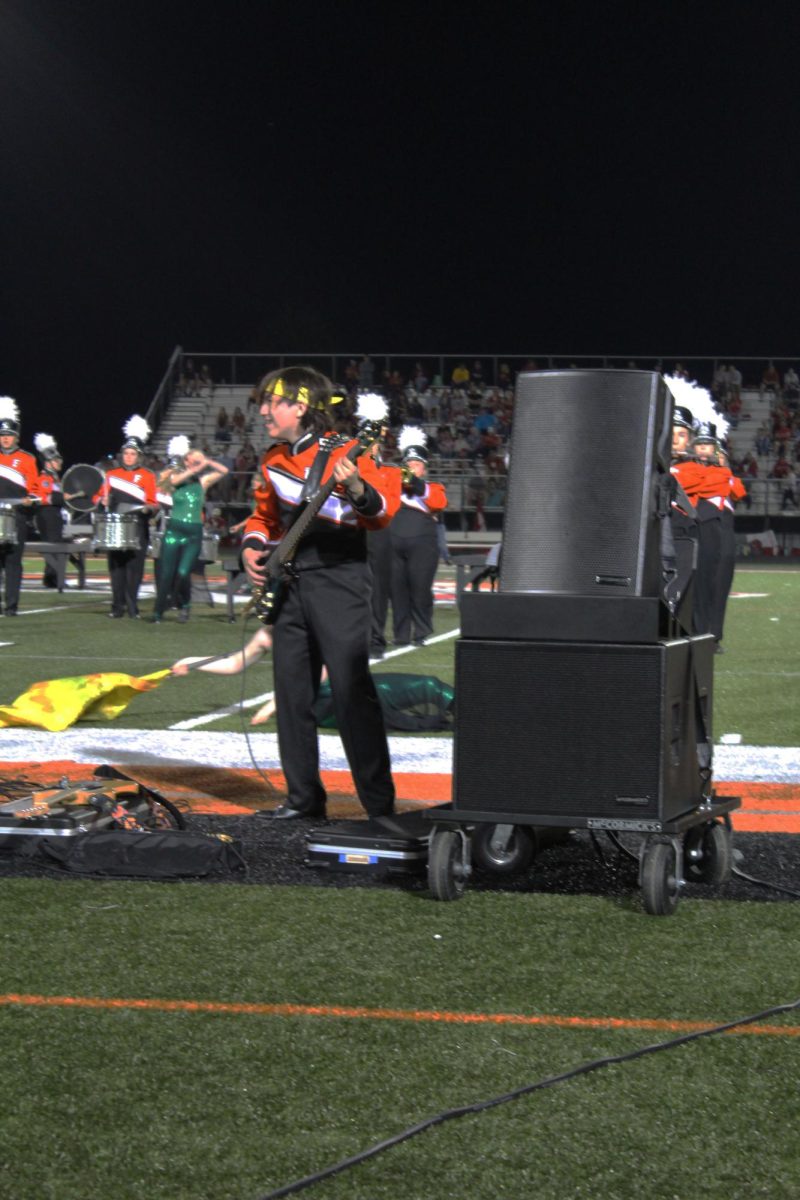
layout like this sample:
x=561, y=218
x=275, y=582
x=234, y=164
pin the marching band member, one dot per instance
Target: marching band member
x=19, y=489
x=704, y=482
x=415, y=545
x=325, y=613
x=187, y=479
x=49, y=517
x=708, y=446
x=129, y=489
x=379, y=546
x=683, y=520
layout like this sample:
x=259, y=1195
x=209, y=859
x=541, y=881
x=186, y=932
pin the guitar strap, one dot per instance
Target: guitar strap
x=316, y=471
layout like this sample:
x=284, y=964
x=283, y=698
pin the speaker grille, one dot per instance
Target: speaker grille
x=580, y=513
x=557, y=729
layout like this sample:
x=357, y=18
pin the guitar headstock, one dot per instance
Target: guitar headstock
x=369, y=432
x=330, y=441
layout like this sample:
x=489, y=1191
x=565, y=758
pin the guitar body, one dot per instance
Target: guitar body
x=267, y=600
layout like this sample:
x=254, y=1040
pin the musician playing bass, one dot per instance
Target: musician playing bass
x=324, y=616
x=19, y=488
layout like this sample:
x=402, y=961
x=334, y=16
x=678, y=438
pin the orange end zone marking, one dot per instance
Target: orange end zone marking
x=359, y=1012
x=229, y=791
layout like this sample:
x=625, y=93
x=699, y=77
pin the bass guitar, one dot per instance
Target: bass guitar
x=268, y=598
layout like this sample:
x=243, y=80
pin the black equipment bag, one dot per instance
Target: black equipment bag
x=126, y=853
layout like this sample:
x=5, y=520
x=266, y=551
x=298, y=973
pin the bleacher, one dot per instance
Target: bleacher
x=469, y=497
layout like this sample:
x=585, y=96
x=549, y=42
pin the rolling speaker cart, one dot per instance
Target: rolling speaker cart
x=582, y=702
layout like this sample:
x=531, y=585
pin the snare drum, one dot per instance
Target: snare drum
x=209, y=551
x=116, y=531
x=8, y=527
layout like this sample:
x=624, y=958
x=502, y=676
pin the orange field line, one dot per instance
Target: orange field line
x=359, y=1012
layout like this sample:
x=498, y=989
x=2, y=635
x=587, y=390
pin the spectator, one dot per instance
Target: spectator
x=791, y=388
x=770, y=380
x=351, y=377
x=460, y=376
x=222, y=431
x=735, y=382
x=205, y=382
x=420, y=379
x=789, y=498
x=504, y=379
x=763, y=440
x=366, y=373
x=750, y=466
x=238, y=421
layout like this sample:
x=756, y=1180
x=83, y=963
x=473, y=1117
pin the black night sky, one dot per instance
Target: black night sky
x=565, y=178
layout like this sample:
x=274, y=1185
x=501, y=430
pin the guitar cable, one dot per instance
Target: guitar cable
x=525, y=1090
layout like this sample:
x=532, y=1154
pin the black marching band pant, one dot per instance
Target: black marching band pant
x=325, y=618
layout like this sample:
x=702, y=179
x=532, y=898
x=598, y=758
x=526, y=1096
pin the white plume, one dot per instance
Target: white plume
x=687, y=393
x=699, y=402
x=9, y=410
x=45, y=443
x=411, y=435
x=372, y=407
x=178, y=446
x=136, y=427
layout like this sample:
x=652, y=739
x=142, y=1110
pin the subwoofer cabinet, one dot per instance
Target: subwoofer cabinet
x=581, y=734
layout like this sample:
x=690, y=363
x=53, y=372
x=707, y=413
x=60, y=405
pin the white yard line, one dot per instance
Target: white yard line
x=230, y=709
x=421, y=756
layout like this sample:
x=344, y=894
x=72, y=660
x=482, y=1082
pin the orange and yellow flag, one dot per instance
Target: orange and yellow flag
x=55, y=704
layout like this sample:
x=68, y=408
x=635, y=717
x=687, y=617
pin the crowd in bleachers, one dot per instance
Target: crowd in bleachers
x=467, y=418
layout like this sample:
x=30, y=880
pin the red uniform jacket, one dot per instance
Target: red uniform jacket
x=337, y=533
x=124, y=489
x=50, y=491
x=19, y=475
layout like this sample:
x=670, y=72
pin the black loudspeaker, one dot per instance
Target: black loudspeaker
x=588, y=476
x=580, y=734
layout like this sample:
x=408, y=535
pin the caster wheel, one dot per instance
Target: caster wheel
x=503, y=849
x=708, y=854
x=659, y=881
x=446, y=876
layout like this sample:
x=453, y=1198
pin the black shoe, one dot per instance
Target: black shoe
x=115, y=616
x=376, y=651
x=11, y=612
x=285, y=812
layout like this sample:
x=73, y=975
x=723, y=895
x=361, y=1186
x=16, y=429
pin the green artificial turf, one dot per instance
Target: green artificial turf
x=159, y=1104
x=756, y=680
x=211, y=1106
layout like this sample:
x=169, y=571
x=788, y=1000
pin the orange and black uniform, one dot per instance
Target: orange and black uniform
x=379, y=552
x=125, y=491
x=415, y=556
x=704, y=484
x=732, y=491
x=19, y=477
x=50, y=525
x=325, y=619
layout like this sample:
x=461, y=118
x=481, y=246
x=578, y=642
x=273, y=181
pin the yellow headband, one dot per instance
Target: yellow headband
x=303, y=395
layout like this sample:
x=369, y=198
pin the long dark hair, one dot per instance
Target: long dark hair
x=317, y=416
